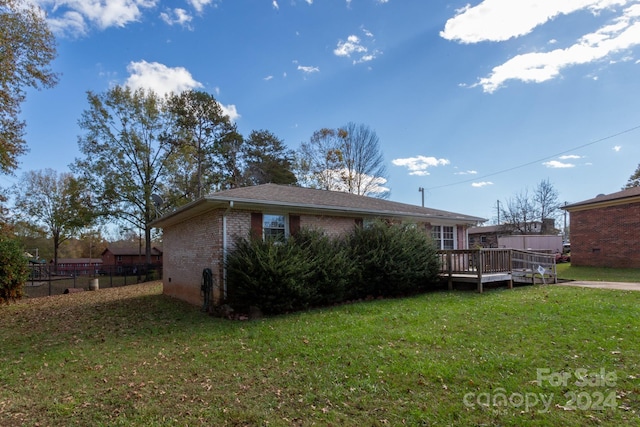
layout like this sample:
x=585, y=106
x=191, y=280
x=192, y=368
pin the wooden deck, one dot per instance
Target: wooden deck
x=496, y=265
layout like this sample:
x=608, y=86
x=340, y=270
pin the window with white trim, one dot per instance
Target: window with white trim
x=444, y=236
x=274, y=227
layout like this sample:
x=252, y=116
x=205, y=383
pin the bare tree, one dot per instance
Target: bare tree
x=523, y=212
x=346, y=159
x=364, y=171
x=546, y=199
x=518, y=213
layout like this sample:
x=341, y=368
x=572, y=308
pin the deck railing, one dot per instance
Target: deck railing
x=475, y=261
x=478, y=264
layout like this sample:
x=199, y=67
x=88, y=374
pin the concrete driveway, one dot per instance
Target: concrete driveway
x=625, y=286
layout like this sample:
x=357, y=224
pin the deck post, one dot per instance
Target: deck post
x=480, y=267
x=450, y=280
x=510, y=270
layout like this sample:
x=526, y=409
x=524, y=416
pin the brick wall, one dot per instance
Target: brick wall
x=333, y=226
x=606, y=237
x=191, y=246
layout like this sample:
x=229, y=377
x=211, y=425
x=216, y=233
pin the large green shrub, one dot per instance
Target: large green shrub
x=330, y=269
x=393, y=260
x=312, y=269
x=267, y=274
x=13, y=269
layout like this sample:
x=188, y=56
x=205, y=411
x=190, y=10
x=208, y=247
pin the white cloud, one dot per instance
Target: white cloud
x=74, y=16
x=486, y=22
x=418, y=165
x=500, y=20
x=372, y=184
x=555, y=164
x=231, y=111
x=617, y=148
x=481, y=184
x=163, y=80
x=275, y=5
x=570, y=157
x=199, y=5
x=354, y=47
x=176, y=16
x=160, y=78
x=470, y=172
x=308, y=69
x=268, y=78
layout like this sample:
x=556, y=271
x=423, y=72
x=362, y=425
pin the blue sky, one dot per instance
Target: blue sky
x=474, y=102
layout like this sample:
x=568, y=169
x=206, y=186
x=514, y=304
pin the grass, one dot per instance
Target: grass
x=602, y=274
x=132, y=356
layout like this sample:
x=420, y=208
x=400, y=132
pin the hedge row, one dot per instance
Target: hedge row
x=312, y=269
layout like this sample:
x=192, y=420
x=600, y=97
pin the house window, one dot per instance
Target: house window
x=274, y=227
x=444, y=236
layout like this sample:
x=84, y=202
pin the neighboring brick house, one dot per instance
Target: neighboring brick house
x=78, y=266
x=120, y=260
x=198, y=235
x=605, y=230
x=485, y=237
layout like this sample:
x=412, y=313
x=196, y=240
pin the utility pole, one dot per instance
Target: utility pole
x=498, y=204
x=564, y=230
x=421, y=189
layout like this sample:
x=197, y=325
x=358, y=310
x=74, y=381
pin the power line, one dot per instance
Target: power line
x=539, y=160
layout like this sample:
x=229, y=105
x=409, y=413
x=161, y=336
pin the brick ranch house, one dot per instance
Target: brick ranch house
x=605, y=230
x=198, y=235
x=119, y=260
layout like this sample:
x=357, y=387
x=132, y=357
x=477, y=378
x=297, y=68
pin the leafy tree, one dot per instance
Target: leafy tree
x=346, y=159
x=59, y=203
x=634, y=180
x=319, y=160
x=230, y=162
x=267, y=160
x=127, y=147
x=27, y=46
x=13, y=269
x=4, y=223
x=201, y=129
x=34, y=239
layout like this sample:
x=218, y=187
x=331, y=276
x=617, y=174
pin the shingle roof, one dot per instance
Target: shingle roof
x=487, y=229
x=628, y=195
x=309, y=199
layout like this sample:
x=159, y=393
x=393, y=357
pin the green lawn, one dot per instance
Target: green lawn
x=546, y=355
x=602, y=274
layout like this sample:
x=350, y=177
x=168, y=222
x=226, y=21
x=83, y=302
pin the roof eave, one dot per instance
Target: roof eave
x=212, y=202
x=593, y=204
